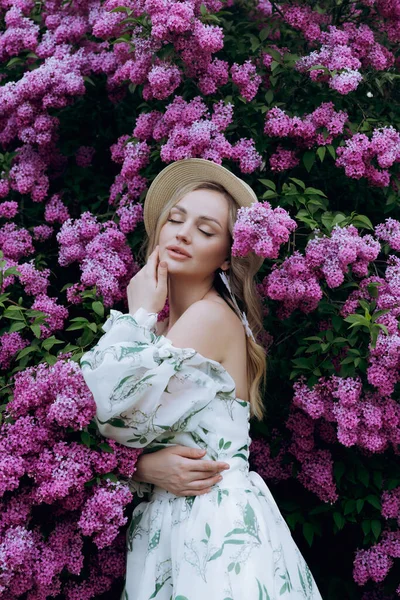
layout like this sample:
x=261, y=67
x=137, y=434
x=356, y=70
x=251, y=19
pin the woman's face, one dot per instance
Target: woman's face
x=206, y=240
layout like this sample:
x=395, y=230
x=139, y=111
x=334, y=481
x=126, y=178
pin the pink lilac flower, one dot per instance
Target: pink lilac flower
x=303, y=18
x=247, y=156
x=268, y=466
x=330, y=257
x=55, y=314
x=108, y=264
x=345, y=82
x=84, y=156
x=261, y=229
x=10, y=345
x=282, y=159
x=129, y=217
x=56, y=211
x=294, y=284
x=103, y=514
x=316, y=466
x=367, y=420
x=74, y=236
x=246, y=78
x=358, y=152
x=309, y=130
x=8, y=210
x=215, y=76
x=15, y=242
x=162, y=81
x=41, y=233
x=35, y=282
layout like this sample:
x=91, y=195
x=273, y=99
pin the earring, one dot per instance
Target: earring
x=243, y=317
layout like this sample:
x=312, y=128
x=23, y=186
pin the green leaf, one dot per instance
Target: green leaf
x=339, y=520
x=26, y=351
x=366, y=526
x=349, y=506
x=36, y=330
x=376, y=528
x=311, y=190
x=268, y=183
x=360, y=505
x=98, y=308
x=308, y=160
x=298, y=182
x=308, y=532
x=339, y=469
x=208, y=530
x=106, y=447
x=362, y=221
x=374, y=501
x=85, y=438
x=331, y=151
x=321, y=153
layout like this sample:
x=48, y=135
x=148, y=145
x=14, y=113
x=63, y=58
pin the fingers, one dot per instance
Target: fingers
x=153, y=262
x=187, y=452
x=210, y=466
x=202, y=484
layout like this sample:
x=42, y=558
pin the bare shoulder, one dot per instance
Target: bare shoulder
x=203, y=326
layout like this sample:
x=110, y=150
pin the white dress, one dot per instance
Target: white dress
x=229, y=544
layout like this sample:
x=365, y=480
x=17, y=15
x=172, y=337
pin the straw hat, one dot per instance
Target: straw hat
x=193, y=170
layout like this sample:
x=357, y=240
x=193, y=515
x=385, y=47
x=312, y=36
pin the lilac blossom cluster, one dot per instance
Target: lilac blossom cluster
x=376, y=562
x=343, y=52
x=384, y=358
x=176, y=23
x=369, y=420
x=296, y=282
x=102, y=253
x=316, y=465
x=317, y=128
x=192, y=131
x=294, y=285
x=271, y=466
x=330, y=257
x=307, y=131
x=261, y=229
x=370, y=158
x=40, y=466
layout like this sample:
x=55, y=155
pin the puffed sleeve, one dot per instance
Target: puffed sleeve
x=142, y=385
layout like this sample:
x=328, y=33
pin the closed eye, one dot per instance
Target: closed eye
x=205, y=233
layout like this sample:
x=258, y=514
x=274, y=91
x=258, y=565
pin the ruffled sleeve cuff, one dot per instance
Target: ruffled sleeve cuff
x=140, y=488
x=126, y=327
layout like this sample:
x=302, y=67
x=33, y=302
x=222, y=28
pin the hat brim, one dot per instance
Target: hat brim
x=192, y=170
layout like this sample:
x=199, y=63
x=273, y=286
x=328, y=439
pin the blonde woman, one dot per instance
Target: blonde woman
x=194, y=380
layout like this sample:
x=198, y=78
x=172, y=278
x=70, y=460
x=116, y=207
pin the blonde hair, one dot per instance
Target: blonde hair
x=241, y=276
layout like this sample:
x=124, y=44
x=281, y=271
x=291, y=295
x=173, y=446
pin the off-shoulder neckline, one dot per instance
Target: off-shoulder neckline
x=206, y=358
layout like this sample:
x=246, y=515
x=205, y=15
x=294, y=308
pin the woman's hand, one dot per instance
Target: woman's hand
x=179, y=470
x=149, y=287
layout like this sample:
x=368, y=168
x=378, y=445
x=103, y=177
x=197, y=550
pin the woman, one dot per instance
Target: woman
x=198, y=388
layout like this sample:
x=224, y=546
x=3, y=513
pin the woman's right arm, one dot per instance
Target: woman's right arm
x=179, y=470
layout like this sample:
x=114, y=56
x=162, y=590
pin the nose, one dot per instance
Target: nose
x=183, y=233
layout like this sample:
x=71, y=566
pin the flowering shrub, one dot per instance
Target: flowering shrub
x=297, y=98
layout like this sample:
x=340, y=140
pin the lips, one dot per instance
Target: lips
x=178, y=250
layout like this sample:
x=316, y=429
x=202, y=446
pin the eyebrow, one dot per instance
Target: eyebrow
x=203, y=217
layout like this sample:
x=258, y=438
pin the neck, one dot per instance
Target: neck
x=182, y=293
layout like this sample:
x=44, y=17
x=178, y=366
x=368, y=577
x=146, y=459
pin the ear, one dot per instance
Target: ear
x=225, y=265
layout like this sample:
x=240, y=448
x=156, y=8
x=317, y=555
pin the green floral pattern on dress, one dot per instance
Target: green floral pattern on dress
x=229, y=544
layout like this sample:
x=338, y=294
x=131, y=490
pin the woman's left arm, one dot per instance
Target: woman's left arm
x=179, y=470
